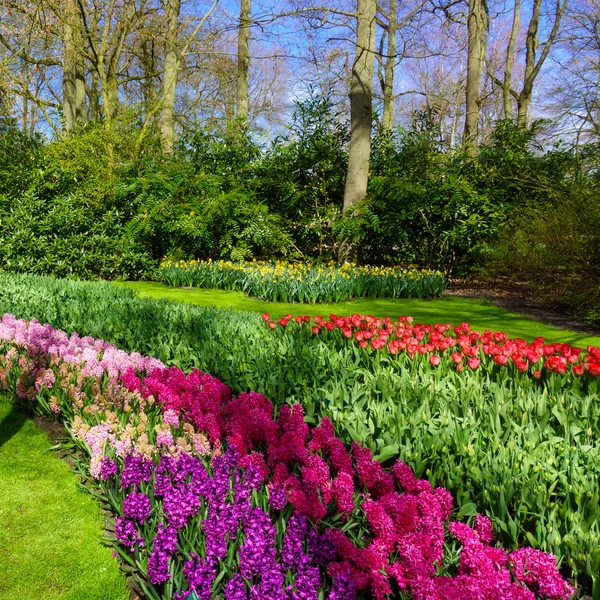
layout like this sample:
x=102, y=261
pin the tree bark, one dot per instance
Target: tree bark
x=171, y=66
x=510, y=60
x=477, y=24
x=69, y=71
x=74, y=100
x=149, y=68
x=243, y=61
x=387, y=119
x=532, y=43
x=361, y=98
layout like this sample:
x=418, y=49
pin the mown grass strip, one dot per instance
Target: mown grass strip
x=50, y=546
x=481, y=315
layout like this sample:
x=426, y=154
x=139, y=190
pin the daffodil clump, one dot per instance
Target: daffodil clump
x=301, y=282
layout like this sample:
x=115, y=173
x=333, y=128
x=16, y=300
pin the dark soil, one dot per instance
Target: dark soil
x=518, y=298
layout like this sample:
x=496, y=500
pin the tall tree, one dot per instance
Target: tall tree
x=74, y=96
x=167, y=117
x=243, y=61
x=361, y=100
x=533, y=63
x=387, y=79
x=477, y=26
x=510, y=61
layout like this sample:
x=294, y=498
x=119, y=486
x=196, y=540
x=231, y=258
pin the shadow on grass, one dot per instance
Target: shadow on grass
x=11, y=420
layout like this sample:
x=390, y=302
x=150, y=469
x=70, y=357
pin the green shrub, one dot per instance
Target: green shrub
x=303, y=174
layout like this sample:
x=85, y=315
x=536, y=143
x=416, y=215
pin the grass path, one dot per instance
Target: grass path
x=480, y=314
x=50, y=529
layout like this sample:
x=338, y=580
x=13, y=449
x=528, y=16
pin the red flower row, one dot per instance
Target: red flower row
x=465, y=346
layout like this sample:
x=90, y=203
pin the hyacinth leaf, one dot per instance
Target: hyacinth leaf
x=467, y=510
x=387, y=452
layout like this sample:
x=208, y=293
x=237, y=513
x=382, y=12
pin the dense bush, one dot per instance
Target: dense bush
x=523, y=449
x=302, y=176
x=552, y=236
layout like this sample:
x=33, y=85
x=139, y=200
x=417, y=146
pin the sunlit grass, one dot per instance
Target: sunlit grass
x=50, y=529
x=481, y=315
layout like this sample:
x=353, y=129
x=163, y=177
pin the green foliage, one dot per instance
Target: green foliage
x=20, y=155
x=421, y=208
x=524, y=450
x=302, y=176
x=227, y=152
x=558, y=249
x=552, y=237
x=187, y=215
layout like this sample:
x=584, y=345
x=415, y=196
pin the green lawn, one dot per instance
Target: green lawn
x=50, y=529
x=481, y=315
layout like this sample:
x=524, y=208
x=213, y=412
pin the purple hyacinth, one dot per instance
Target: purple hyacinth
x=108, y=468
x=308, y=580
x=321, y=548
x=165, y=545
x=270, y=586
x=137, y=507
x=292, y=548
x=257, y=553
x=127, y=534
x=135, y=470
x=179, y=505
x=235, y=588
x=200, y=574
x=277, y=498
x=343, y=588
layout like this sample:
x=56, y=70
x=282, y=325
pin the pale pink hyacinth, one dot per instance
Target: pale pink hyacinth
x=96, y=465
x=96, y=356
x=44, y=379
x=170, y=417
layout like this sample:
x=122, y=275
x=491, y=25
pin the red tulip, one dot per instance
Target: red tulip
x=457, y=357
x=265, y=316
x=272, y=324
x=474, y=362
x=434, y=360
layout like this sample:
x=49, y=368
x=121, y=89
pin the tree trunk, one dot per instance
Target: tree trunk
x=69, y=71
x=74, y=101
x=533, y=64
x=361, y=114
x=524, y=101
x=510, y=60
x=387, y=119
x=243, y=61
x=149, y=68
x=167, y=117
x=80, y=94
x=93, y=94
x=477, y=24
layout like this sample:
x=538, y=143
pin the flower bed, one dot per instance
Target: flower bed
x=525, y=451
x=285, y=282
x=214, y=495
x=511, y=426
x=460, y=346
